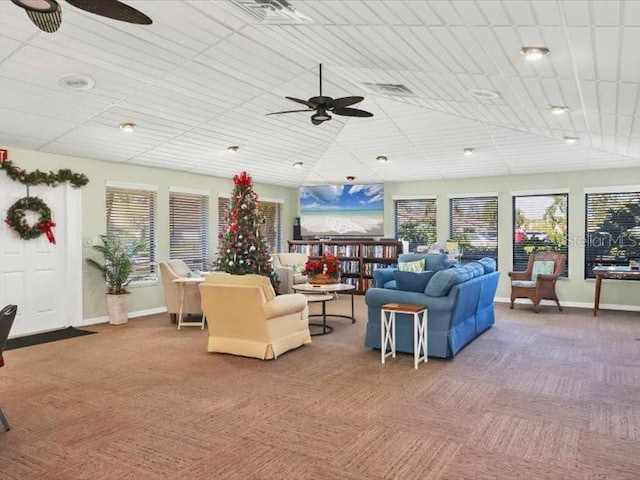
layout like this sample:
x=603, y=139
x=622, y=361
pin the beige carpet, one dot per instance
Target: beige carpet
x=539, y=396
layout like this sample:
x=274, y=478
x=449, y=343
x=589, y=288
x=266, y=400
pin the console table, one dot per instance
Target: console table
x=620, y=273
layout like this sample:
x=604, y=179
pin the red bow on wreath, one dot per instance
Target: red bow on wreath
x=46, y=228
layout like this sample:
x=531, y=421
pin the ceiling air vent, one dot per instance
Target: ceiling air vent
x=389, y=89
x=277, y=12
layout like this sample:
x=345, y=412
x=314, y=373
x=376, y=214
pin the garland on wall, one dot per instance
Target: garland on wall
x=16, y=214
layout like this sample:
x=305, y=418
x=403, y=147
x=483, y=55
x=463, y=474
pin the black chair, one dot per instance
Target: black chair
x=7, y=316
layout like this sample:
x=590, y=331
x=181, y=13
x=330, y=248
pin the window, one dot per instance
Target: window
x=473, y=222
x=612, y=225
x=539, y=223
x=131, y=216
x=415, y=221
x=189, y=229
x=271, y=229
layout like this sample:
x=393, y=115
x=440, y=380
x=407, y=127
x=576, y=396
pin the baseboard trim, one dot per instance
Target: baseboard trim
x=603, y=306
x=105, y=319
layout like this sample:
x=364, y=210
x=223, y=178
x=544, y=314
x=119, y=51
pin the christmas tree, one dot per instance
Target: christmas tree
x=242, y=248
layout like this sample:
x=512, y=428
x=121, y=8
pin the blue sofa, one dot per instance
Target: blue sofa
x=459, y=300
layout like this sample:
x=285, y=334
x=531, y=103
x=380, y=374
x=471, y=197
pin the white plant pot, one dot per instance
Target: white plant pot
x=118, y=306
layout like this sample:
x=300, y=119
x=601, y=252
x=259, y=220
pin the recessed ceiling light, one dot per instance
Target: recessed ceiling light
x=128, y=127
x=558, y=110
x=468, y=151
x=76, y=81
x=382, y=159
x=298, y=164
x=570, y=140
x=484, y=94
x=233, y=148
x=534, y=53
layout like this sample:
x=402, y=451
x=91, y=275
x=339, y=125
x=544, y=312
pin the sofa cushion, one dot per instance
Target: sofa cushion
x=444, y=280
x=391, y=285
x=489, y=264
x=415, y=266
x=433, y=261
x=412, y=281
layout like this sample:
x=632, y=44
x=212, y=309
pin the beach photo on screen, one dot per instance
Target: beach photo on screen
x=342, y=210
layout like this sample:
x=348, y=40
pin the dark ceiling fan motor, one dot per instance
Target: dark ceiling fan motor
x=325, y=106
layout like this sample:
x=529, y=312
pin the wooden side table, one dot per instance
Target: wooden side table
x=388, y=330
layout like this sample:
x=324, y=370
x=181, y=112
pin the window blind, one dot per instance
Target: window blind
x=415, y=221
x=271, y=229
x=131, y=216
x=473, y=222
x=612, y=229
x=189, y=229
x=539, y=223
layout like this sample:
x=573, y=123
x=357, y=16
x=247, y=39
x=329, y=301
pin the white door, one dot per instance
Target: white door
x=35, y=274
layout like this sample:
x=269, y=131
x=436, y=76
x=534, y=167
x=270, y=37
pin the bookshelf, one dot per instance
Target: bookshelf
x=359, y=258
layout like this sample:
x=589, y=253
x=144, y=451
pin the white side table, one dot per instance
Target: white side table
x=388, y=330
x=182, y=281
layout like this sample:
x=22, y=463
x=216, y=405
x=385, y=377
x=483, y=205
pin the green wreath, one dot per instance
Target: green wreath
x=17, y=221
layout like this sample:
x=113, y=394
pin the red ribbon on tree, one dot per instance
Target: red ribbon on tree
x=46, y=228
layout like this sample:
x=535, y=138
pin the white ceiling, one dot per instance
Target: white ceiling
x=205, y=73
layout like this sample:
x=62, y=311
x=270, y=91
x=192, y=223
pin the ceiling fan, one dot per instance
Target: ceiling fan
x=47, y=14
x=323, y=106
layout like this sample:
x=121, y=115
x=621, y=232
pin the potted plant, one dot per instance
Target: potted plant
x=324, y=270
x=116, y=268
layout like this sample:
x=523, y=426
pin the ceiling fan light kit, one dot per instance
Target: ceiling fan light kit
x=325, y=106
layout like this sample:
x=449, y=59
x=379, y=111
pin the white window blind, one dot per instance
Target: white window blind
x=271, y=229
x=415, y=221
x=189, y=229
x=539, y=223
x=612, y=229
x=131, y=216
x=473, y=222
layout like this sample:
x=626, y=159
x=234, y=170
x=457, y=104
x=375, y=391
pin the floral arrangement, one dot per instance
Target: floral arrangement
x=328, y=264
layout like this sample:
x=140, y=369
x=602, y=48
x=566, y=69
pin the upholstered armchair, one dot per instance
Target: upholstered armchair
x=245, y=317
x=288, y=267
x=169, y=271
x=538, y=281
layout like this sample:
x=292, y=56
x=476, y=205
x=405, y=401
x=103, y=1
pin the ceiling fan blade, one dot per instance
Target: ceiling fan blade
x=47, y=22
x=351, y=112
x=288, y=111
x=42, y=6
x=345, y=101
x=304, y=102
x=112, y=9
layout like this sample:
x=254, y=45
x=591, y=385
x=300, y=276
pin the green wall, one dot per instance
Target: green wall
x=146, y=297
x=573, y=291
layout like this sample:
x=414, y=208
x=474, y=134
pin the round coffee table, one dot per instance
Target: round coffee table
x=310, y=289
x=323, y=298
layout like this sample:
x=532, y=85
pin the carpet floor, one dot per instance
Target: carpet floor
x=538, y=396
x=46, y=337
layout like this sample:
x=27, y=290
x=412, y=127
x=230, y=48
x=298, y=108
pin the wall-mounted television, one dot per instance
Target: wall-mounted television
x=342, y=210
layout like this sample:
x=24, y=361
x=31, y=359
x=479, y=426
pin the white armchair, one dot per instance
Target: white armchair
x=288, y=267
x=245, y=317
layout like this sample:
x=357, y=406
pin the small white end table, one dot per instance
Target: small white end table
x=388, y=330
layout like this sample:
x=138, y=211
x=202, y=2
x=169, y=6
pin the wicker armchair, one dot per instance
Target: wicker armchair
x=538, y=281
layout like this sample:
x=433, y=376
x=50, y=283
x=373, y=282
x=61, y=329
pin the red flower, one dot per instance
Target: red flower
x=328, y=264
